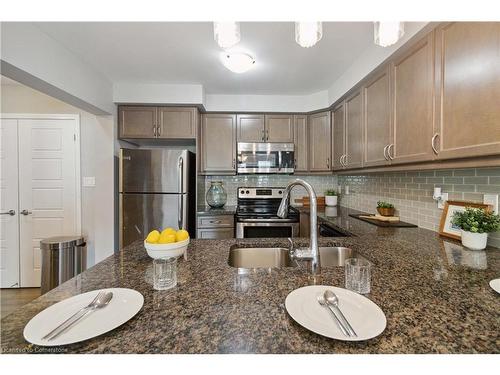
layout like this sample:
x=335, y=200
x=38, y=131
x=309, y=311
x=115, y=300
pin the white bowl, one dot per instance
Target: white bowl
x=167, y=250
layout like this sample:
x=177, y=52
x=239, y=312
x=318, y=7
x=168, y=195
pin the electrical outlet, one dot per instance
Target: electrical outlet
x=444, y=198
x=491, y=199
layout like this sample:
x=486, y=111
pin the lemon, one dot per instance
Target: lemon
x=153, y=236
x=168, y=231
x=166, y=238
x=181, y=235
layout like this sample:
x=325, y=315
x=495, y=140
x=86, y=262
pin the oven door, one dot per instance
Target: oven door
x=266, y=230
x=265, y=157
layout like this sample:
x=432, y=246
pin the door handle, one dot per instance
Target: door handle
x=432, y=143
x=10, y=212
x=26, y=212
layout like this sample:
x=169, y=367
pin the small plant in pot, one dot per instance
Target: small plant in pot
x=475, y=224
x=385, y=209
x=331, y=197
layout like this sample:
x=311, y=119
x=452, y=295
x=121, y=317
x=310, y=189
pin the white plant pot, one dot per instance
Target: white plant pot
x=474, y=241
x=331, y=200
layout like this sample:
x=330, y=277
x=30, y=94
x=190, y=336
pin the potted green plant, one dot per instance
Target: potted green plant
x=331, y=197
x=385, y=209
x=475, y=224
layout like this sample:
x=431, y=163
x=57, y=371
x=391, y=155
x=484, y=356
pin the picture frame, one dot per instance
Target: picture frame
x=446, y=229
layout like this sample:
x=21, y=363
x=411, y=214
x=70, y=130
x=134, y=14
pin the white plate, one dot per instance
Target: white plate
x=366, y=318
x=123, y=306
x=495, y=285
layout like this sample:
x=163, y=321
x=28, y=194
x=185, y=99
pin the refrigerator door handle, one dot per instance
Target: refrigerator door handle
x=181, y=190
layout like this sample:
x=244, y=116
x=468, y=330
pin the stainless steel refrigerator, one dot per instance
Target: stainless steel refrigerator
x=157, y=190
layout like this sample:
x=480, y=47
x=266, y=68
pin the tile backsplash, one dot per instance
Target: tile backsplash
x=231, y=183
x=411, y=192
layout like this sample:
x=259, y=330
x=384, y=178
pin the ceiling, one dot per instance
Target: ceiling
x=186, y=53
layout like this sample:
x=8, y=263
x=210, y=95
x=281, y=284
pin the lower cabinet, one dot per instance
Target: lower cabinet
x=216, y=227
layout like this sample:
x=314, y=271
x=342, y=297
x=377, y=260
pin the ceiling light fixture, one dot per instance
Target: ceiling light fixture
x=307, y=34
x=388, y=33
x=227, y=34
x=237, y=62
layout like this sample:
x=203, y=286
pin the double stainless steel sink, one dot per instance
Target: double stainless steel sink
x=278, y=257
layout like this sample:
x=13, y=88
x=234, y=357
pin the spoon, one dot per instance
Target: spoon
x=332, y=300
x=322, y=302
x=101, y=302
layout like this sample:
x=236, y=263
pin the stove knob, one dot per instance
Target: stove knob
x=280, y=192
x=242, y=191
x=248, y=192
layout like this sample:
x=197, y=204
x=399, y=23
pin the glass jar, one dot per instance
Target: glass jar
x=216, y=195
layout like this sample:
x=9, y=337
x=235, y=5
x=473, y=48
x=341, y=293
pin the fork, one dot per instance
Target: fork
x=68, y=321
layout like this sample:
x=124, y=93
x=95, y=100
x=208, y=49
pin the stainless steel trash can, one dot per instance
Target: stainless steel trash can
x=62, y=258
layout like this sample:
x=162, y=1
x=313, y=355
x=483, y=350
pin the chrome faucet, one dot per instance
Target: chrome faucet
x=313, y=249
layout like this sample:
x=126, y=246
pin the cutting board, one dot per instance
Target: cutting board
x=387, y=224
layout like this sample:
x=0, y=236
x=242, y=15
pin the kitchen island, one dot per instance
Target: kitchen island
x=435, y=296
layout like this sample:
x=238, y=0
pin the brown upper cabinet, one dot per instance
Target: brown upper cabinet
x=137, y=122
x=353, y=131
x=320, y=142
x=338, y=133
x=279, y=128
x=144, y=122
x=218, y=143
x=468, y=89
x=177, y=122
x=412, y=79
x=301, y=141
x=377, y=118
x=265, y=128
x=250, y=128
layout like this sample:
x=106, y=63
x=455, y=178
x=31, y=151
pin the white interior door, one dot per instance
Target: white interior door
x=48, y=199
x=9, y=218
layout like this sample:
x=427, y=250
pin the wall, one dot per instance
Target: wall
x=411, y=192
x=96, y=139
x=33, y=58
x=231, y=183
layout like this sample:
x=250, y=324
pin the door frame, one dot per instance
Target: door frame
x=50, y=116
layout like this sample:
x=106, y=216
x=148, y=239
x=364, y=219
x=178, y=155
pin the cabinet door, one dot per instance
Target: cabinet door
x=377, y=119
x=137, y=122
x=412, y=102
x=301, y=143
x=218, y=148
x=251, y=128
x=468, y=88
x=320, y=142
x=354, y=132
x=279, y=128
x=338, y=142
x=177, y=122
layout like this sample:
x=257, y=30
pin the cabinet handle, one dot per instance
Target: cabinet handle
x=432, y=143
x=294, y=163
x=154, y=130
x=389, y=151
x=385, y=153
x=26, y=212
x=215, y=221
x=267, y=135
x=10, y=212
x=158, y=130
x=345, y=160
x=328, y=163
x=234, y=163
x=263, y=135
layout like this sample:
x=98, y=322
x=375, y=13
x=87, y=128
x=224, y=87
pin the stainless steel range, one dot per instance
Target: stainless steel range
x=256, y=214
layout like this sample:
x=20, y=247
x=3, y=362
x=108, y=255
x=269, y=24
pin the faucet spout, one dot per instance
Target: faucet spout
x=313, y=220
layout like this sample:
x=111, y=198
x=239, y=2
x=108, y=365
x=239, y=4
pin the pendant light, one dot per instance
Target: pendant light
x=227, y=34
x=388, y=33
x=307, y=34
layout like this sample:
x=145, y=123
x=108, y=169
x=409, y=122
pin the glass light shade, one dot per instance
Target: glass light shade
x=227, y=34
x=388, y=33
x=307, y=34
x=237, y=62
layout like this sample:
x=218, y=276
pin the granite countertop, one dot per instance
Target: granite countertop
x=202, y=210
x=435, y=295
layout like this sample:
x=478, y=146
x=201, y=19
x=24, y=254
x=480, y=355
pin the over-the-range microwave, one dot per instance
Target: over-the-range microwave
x=265, y=157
